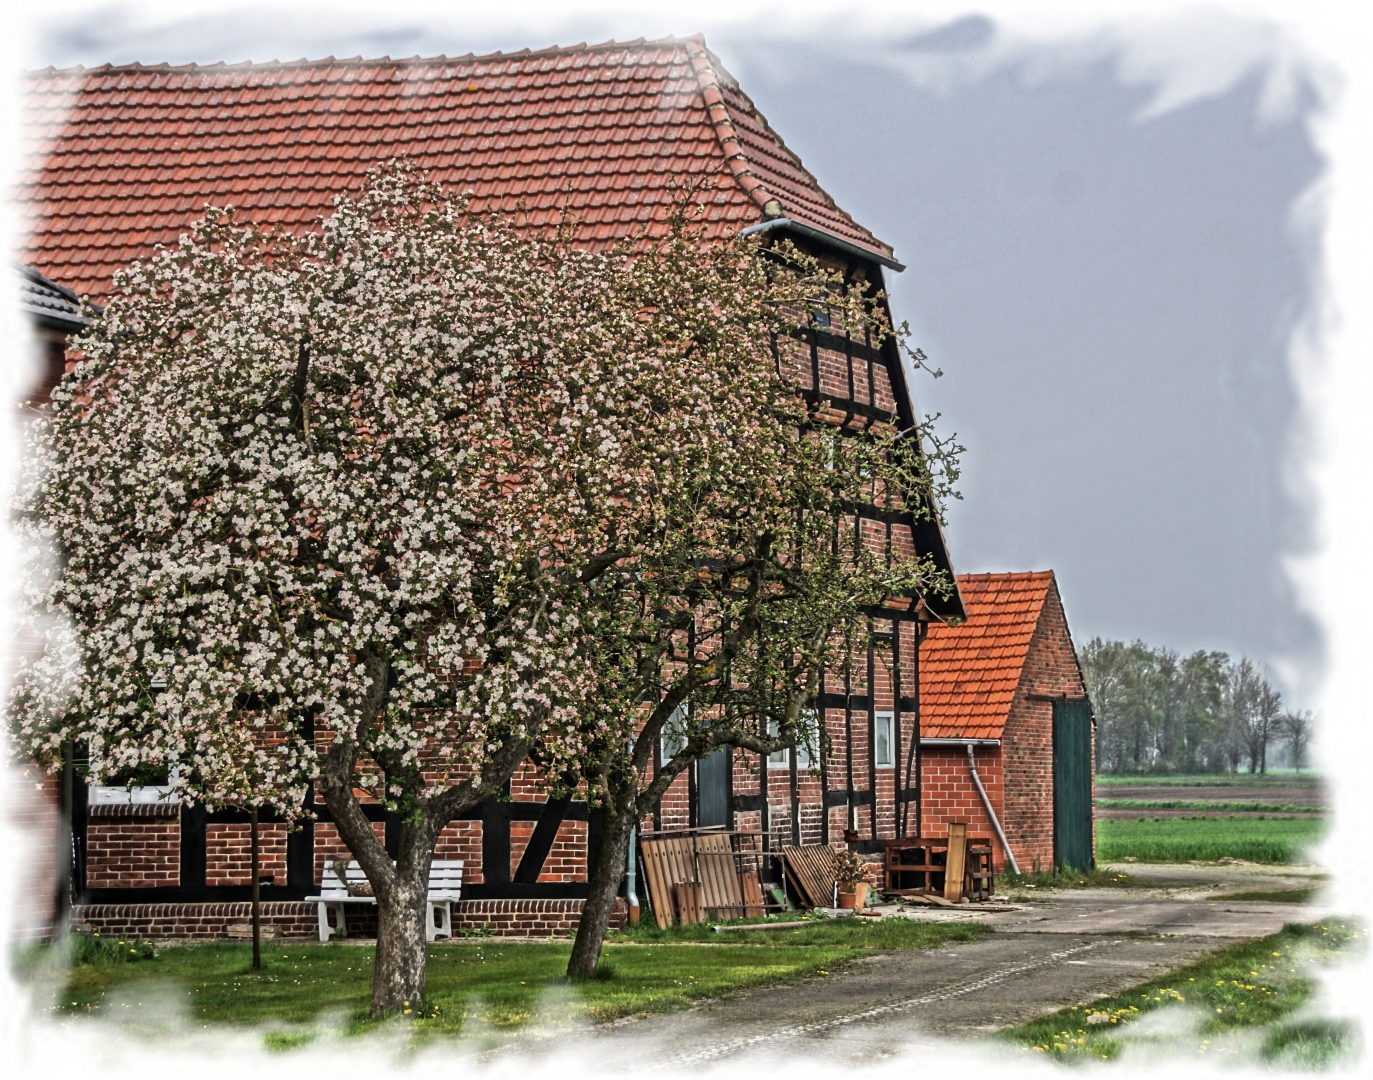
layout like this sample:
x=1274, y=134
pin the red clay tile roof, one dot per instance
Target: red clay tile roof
x=969, y=672
x=123, y=158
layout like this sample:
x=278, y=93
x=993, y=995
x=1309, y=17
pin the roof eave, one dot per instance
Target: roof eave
x=811, y=232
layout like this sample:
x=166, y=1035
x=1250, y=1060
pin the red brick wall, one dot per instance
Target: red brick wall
x=950, y=795
x=330, y=846
x=31, y=808
x=133, y=853
x=229, y=851
x=463, y=840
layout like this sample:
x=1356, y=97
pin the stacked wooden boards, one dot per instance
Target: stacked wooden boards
x=692, y=878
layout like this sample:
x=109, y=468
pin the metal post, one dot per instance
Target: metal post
x=257, y=906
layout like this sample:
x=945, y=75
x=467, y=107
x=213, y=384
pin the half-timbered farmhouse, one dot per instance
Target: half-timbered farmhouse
x=124, y=158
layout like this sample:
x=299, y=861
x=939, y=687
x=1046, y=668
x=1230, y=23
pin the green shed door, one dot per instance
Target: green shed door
x=1073, y=785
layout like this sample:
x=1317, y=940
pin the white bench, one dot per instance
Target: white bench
x=445, y=888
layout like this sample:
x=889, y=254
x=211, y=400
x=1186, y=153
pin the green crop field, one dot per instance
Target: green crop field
x=1286, y=777
x=1182, y=839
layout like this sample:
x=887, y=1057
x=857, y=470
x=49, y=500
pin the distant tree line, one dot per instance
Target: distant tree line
x=1159, y=711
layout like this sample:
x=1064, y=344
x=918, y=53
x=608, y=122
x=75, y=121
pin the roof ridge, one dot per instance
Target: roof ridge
x=708, y=79
x=709, y=71
x=1006, y=575
x=359, y=61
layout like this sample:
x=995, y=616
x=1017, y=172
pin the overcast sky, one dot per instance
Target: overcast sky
x=1101, y=253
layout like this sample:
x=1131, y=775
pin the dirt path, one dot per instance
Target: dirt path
x=1068, y=949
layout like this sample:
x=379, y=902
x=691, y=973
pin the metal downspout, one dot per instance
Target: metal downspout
x=631, y=897
x=986, y=802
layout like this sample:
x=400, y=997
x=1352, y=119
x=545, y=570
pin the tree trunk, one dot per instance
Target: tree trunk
x=604, y=884
x=398, y=976
x=400, y=890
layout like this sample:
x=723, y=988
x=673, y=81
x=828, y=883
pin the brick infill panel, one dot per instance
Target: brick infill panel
x=298, y=920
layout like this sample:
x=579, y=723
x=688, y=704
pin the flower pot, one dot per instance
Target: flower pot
x=853, y=896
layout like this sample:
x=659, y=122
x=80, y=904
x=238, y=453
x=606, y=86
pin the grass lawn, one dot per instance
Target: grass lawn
x=1182, y=839
x=492, y=984
x=1255, y=986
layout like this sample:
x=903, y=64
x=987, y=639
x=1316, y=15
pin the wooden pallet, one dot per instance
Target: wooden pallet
x=918, y=866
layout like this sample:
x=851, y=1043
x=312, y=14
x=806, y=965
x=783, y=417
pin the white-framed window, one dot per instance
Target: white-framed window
x=134, y=795
x=807, y=742
x=673, y=738
x=884, y=740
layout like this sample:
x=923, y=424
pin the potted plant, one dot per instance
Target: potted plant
x=851, y=872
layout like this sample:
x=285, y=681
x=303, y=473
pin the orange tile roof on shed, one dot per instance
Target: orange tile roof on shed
x=969, y=672
x=123, y=158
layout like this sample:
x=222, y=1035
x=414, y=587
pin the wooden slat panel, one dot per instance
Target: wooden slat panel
x=659, y=887
x=812, y=868
x=688, y=894
x=753, y=894
x=723, y=894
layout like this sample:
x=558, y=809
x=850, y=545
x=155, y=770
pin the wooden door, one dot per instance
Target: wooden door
x=1073, y=786
x=712, y=789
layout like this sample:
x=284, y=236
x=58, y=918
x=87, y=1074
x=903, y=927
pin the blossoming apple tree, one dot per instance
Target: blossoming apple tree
x=325, y=508
x=742, y=569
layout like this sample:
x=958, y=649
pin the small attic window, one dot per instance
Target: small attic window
x=822, y=317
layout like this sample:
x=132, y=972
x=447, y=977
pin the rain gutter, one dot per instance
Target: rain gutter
x=813, y=233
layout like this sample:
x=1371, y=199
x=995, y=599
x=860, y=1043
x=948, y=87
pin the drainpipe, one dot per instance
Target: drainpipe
x=986, y=802
x=631, y=898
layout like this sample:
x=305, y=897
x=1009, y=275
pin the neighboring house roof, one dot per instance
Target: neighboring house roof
x=126, y=157
x=969, y=672
x=50, y=305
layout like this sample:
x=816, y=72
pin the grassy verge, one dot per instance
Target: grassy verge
x=492, y=985
x=1183, y=839
x=1023, y=887
x=1229, y=807
x=1255, y=986
x=1272, y=896
x=846, y=932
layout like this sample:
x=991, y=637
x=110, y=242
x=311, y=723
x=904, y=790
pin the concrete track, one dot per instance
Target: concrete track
x=1067, y=948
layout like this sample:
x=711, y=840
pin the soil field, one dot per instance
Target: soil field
x=1312, y=794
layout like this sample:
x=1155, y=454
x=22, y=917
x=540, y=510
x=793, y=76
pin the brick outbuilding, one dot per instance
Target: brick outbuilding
x=997, y=692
